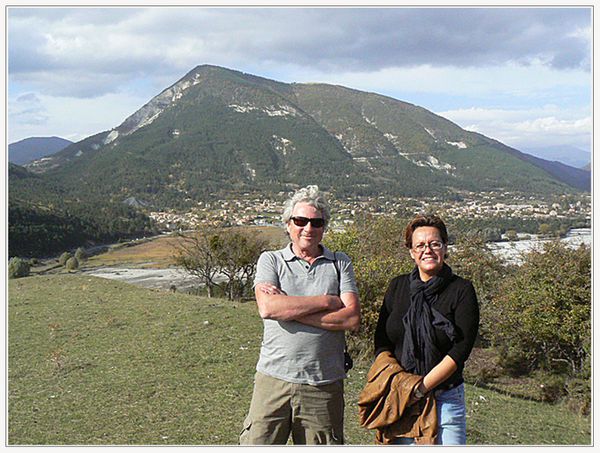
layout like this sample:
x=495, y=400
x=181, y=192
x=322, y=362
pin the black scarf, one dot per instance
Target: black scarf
x=419, y=352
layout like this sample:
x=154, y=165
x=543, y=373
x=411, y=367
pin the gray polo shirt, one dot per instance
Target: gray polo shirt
x=293, y=351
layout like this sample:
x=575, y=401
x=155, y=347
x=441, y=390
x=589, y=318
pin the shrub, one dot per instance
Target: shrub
x=579, y=395
x=553, y=388
x=62, y=260
x=18, y=267
x=80, y=254
x=471, y=258
x=72, y=264
x=542, y=313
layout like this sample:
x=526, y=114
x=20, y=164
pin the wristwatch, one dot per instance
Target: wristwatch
x=418, y=393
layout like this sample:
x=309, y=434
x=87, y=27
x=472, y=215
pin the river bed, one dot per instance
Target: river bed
x=512, y=251
x=149, y=278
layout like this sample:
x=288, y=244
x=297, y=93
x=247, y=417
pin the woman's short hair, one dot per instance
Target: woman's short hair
x=310, y=195
x=421, y=220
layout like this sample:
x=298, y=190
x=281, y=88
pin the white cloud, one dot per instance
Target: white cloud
x=507, y=81
x=527, y=128
x=153, y=41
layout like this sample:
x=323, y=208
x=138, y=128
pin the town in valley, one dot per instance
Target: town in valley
x=251, y=209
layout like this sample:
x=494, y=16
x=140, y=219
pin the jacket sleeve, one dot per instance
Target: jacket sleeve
x=466, y=319
x=382, y=341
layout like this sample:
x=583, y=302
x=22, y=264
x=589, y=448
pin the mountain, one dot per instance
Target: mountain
x=30, y=149
x=568, y=155
x=219, y=131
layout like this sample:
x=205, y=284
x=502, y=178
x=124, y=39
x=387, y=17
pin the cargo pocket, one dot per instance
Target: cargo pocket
x=245, y=434
x=325, y=436
x=336, y=438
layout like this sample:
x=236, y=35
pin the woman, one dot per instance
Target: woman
x=428, y=321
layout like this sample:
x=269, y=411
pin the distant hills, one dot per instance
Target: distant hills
x=30, y=149
x=568, y=155
x=218, y=132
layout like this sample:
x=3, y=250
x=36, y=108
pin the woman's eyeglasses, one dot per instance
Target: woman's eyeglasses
x=303, y=221
x=433, y=245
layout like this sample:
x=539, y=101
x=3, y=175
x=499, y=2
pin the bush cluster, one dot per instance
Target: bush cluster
x=18, y=267
x=72, y=264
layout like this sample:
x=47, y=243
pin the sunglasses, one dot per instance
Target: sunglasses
x=303, y=221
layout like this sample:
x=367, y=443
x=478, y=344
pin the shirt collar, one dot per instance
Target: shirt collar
x=288, y=253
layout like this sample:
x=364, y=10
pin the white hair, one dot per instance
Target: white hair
x=310, y=195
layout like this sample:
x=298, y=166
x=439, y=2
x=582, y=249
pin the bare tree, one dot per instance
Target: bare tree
x=237, y=256
x=195, y=253
x=228, y=252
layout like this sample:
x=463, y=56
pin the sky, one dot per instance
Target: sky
x=520, y=75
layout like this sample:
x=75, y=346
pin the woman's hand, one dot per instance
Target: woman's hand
x=418, y=393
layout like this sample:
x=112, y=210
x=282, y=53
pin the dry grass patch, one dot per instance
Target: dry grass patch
x=157, y=253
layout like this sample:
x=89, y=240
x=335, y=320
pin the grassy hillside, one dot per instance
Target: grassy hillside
x=94, y=361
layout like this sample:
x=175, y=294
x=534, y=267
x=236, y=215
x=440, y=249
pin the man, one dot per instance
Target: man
x=307, y=297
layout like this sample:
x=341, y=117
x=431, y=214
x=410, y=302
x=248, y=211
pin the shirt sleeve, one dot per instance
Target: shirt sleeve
x=347, y=278
x=266, y=269
x=466, y=319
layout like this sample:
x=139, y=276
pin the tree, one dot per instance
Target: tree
x=511, y=235
x=80, y=254
x=62, y=260
x=545, y=229
x=196, y=254
x=72, y=264
x=237, y=254
x=227, y=252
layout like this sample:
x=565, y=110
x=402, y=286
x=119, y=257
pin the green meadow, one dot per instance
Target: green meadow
x=99, y=362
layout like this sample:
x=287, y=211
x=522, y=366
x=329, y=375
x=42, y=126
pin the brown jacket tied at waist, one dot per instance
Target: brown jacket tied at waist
x=384, y=404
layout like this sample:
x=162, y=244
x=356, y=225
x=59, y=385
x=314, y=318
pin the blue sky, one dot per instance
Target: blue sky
x=520, y=75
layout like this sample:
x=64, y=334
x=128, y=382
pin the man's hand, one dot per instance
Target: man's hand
x=274, y=303
x=267, y=288
x=345, y=316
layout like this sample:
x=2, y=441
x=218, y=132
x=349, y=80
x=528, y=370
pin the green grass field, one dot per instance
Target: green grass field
x=99, y=362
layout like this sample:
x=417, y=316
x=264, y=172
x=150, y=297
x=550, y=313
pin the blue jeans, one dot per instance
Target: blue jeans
x=452, y=418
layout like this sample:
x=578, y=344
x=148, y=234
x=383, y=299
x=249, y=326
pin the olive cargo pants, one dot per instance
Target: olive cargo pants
x=314, y=415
